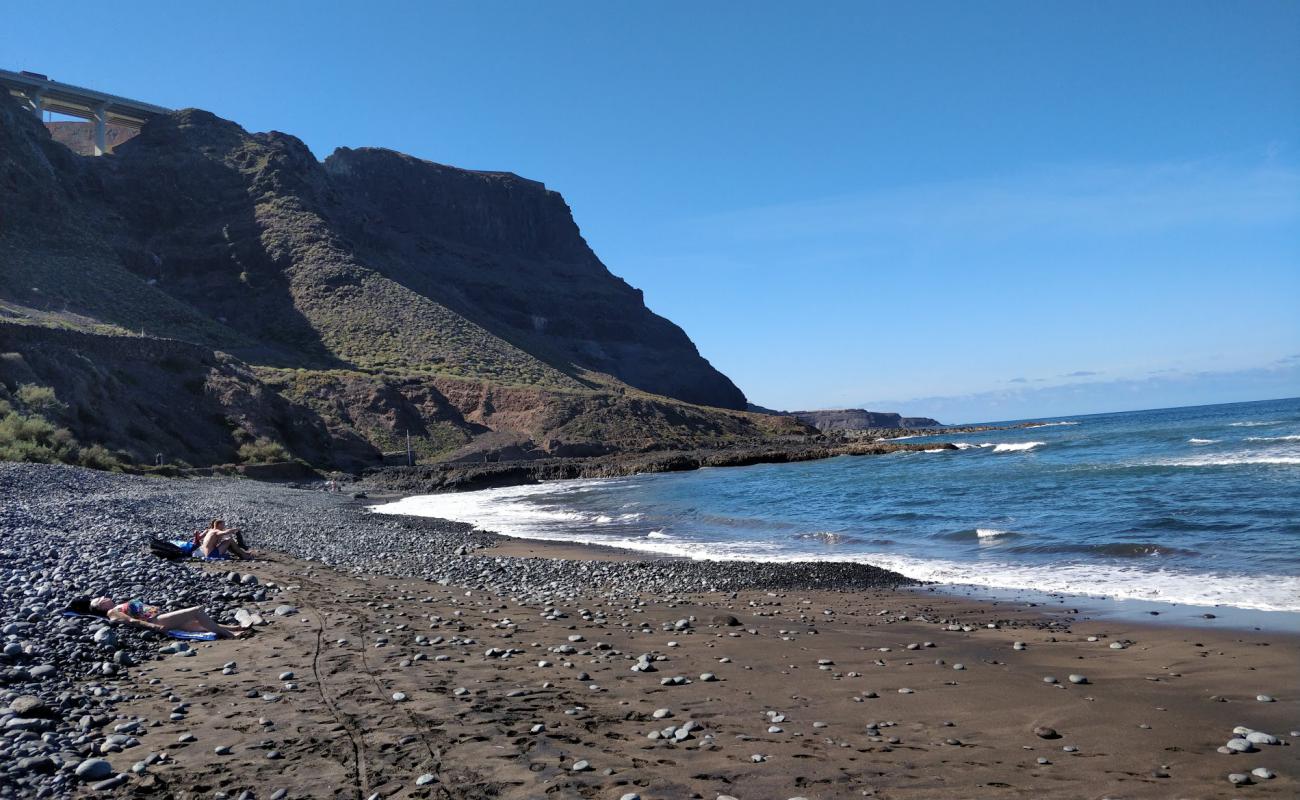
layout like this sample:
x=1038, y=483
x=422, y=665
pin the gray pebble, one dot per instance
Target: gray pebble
x=94, y=769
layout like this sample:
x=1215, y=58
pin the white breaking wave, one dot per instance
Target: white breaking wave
x=1255, y=424
x=990, y=533
x=1015, y=447
x=1000, y=447
x=1049, y=424
x=1202, y=441
x=1258, y=592
x=936, y=450
x=1293, y=438
x=501, y=511
x=1231, y=460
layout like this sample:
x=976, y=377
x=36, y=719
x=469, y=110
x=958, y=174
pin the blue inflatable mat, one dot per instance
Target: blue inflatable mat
x=188, y=547
x=192, y=636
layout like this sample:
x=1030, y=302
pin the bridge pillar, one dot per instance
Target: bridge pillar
x=36, y=98
x=101, y=130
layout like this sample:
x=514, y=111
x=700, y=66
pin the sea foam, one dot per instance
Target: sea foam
x=1016, y=447
x=498, y=510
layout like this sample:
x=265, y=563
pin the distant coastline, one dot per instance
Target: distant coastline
x=470, y=476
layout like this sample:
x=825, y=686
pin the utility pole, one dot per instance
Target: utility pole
x=410, y=457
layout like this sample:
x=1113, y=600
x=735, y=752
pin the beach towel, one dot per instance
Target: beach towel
x=192, y=636
x=193, y=551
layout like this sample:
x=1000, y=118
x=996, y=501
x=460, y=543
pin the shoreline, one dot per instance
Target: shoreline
x=1136, y=610
x=1087, y=607
x=417, y=658
x=828, y=694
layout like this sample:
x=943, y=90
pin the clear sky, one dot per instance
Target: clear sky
x=971, y=210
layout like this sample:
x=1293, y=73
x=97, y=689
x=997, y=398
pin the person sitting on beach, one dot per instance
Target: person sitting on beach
x=218, y=540
x=136, y=612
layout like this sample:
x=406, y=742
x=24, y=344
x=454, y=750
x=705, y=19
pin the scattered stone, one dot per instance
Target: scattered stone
x=1240, y=745
x=110, y=784
x=94, y=769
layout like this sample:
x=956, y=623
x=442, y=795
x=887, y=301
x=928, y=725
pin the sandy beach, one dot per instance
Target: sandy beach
x=813, y=694
x=411, y=658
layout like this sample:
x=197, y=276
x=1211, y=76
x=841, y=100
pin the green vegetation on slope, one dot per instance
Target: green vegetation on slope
x=33, y=438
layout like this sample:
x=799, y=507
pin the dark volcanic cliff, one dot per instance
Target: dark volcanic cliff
x=372, y=258
x=364, y=297
x=504, y=252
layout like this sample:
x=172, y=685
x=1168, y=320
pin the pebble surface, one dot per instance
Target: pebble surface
x=54, y=510
x=55, y=673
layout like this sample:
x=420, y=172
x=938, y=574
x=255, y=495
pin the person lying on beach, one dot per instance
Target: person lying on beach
x=136, y=612
x=218, y=540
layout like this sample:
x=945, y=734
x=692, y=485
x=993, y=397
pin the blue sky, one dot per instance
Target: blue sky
x=956, y=209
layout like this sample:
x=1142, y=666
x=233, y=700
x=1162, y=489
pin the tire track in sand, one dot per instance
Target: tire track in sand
x=355, y=736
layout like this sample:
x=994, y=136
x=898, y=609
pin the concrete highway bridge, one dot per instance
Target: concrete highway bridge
x=41, y=94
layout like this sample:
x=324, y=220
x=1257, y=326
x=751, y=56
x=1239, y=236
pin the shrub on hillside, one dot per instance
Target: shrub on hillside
x=262, y=451
x=40, y=399
x=98, y=457
x=34, y=439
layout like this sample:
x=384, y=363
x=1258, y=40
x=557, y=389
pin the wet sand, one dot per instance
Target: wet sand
x=398, y=680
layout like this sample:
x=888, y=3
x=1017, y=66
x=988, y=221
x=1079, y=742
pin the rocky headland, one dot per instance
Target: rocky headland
x=206, y=295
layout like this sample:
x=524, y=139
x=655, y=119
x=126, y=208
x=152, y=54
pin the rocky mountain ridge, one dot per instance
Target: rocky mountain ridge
x=327, y=308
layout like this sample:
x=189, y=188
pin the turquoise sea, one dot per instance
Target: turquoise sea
x=1188, y=505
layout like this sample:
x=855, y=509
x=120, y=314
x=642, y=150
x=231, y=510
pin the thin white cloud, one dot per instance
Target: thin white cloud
x=1096, y=200
x=1172, y=388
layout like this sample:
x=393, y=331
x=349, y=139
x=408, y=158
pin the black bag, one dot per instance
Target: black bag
x=167, y=550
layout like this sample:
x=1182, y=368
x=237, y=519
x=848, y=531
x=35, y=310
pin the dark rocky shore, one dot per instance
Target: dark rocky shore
x=72, y=531
x=467, y=476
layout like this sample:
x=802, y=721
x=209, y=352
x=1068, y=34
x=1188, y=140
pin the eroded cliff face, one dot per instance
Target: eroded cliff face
x=505, y=252
x=373, y=259
x=357, y=299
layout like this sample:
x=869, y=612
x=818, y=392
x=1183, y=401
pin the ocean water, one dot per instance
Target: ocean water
x=1190, y=505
